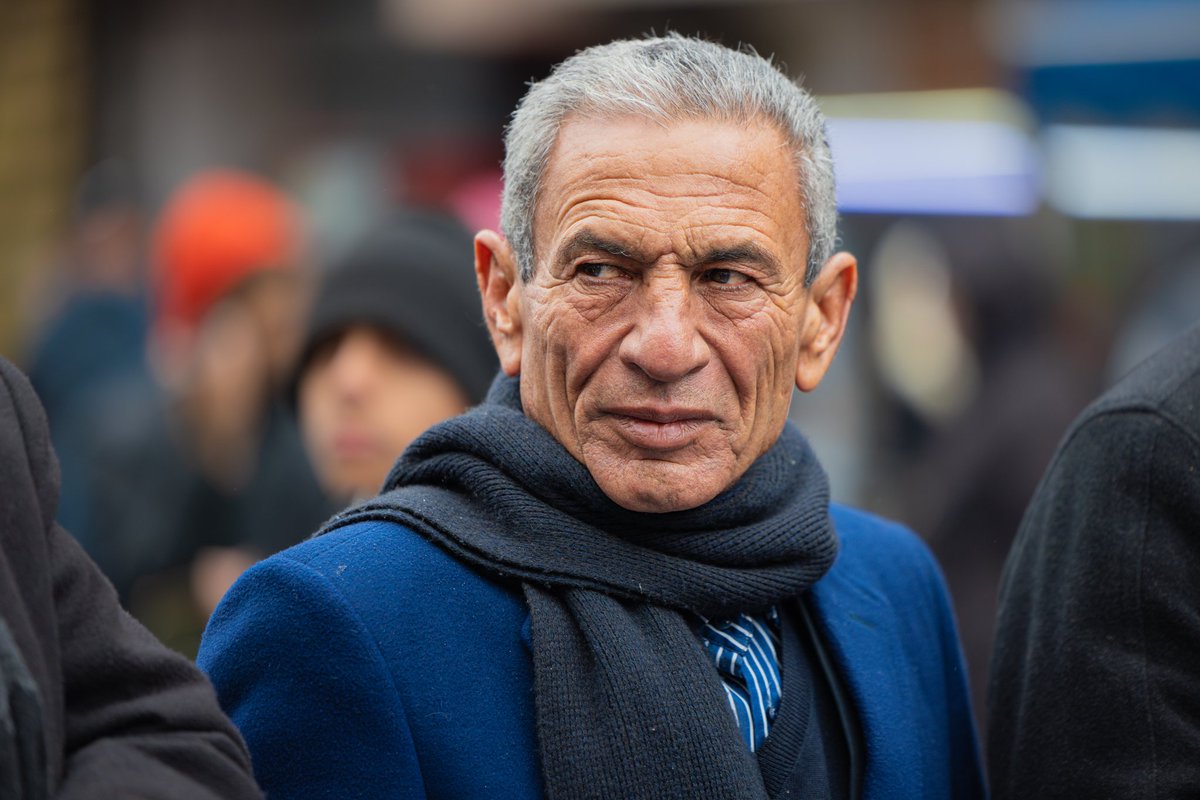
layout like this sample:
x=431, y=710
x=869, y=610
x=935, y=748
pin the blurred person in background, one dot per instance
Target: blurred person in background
x=1035, y=354
x=91, y=705
x=208, y=473
x=1095, y=680
x=393, y=345
x=96, y=331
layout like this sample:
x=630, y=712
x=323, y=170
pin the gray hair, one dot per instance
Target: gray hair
x=666, y=79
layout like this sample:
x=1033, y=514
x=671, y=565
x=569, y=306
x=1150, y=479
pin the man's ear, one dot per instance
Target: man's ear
x=829, y=299
x=499, y=286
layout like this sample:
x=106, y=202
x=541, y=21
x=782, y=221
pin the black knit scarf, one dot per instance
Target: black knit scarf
x=628, y=705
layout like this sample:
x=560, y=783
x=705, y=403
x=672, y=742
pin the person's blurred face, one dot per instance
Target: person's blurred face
x=277, y=299
x=667, y=319
x=226, y=388
x=363, y=398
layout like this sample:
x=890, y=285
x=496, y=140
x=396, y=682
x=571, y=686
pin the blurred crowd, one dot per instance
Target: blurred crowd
x=214, y=396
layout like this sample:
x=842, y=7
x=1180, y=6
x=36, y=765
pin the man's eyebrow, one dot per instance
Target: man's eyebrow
x=747, y=253
x=586, y=241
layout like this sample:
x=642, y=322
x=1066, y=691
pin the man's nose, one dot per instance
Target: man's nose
x=665, y=341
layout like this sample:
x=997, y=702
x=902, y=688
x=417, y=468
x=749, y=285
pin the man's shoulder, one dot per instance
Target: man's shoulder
x=368, y=560
x=391, y=550
x=368, y=540
x=882, y=556
x=867, y=537
x=1152, y=411
x=378, y=561
x=25, y=435
x=1166, y=384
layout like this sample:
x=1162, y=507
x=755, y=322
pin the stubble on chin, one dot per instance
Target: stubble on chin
x=658, y=482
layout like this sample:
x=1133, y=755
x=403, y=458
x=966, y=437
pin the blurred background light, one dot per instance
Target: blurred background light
x=936, y=152
x=1123, y=173
x=1103, y=61
x=916, y=338
x=933, y=167
x=1096, y=31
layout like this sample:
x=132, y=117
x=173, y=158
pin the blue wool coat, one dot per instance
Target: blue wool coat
x=368, y=663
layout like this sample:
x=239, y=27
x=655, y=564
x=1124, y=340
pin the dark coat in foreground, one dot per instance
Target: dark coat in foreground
x=92, y=706
x=1095, y=685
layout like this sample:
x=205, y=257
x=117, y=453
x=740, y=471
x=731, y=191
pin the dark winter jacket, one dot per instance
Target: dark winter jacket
x=91, y=705
x=1095, y=685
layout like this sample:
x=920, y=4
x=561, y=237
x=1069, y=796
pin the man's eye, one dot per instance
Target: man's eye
x=598, y=270
x=726, y=277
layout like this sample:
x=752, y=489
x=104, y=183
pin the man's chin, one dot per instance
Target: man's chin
x=658, y=489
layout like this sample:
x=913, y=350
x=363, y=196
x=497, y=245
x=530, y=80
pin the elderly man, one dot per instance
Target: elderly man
x=620, y=576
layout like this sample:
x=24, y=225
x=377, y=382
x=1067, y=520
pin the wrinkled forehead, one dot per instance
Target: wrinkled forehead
x=670, y=171
x=622, y=130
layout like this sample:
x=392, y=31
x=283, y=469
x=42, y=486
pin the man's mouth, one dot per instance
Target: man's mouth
x=659, y=427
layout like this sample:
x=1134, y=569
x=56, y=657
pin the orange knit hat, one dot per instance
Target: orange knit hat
x=216, y=230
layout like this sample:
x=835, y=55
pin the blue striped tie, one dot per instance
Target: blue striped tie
x=746, y=652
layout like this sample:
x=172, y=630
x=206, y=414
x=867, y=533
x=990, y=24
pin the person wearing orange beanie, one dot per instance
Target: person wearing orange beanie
x=213, y=474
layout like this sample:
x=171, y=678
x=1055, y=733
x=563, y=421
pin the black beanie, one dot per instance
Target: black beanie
x=412, y=278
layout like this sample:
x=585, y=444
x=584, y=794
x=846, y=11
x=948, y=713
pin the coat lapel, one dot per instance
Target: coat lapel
x=862, y=632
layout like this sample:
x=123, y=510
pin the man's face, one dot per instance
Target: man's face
x=667, y=319
x=363, y=398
